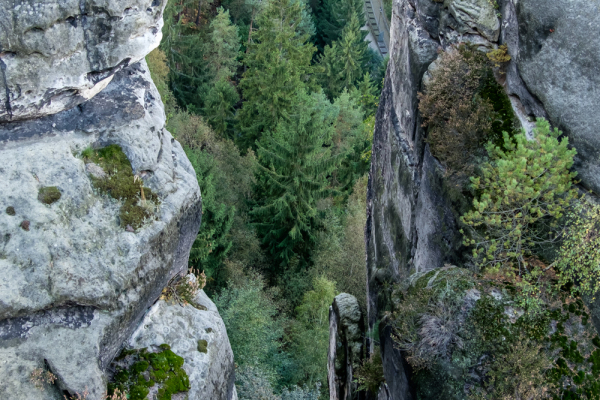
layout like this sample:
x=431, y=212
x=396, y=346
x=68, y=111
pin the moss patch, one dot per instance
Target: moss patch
x=202, y=346
x=11, y=211
x=136, y=371
x=121, y=184
x=49, y=194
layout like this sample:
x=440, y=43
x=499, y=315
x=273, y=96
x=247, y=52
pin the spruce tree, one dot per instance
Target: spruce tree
x=278, y=66
x=219, y=104
x=350, y=140
x=223, y=47
x=345, y=61
x=333, y=17
x=183, y=44
x=295, y=164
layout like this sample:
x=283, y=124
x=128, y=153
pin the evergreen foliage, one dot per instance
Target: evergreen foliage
x=278, y=63
x=223, y=48
x=344, y=62
x=333, y=16
x=250, y=314
x=521, y=194
x=219, y=107
x=184, y=46
x=310, y=332
x=295, y=164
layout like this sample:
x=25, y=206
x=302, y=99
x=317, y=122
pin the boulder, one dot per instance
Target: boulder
x=56, y=54
x=196, y=333
x=76, y=284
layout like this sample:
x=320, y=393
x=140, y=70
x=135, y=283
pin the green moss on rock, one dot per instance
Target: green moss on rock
x=10, y=210
x=49, y=194
x=139, y=370
x=121, y=184
x=490, y=340
x=202, y=346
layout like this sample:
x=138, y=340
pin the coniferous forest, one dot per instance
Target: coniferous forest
x=274, y=103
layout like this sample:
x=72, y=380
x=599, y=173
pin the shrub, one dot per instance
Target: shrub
x=184, y=288
x=518, y=374
x=463, y=107
x=499, y=56
x=579, y=255
x=40, y=378
x=369, y=375
x=254, y=326
x=458, y=120
x=309, y=334
x=520, y=196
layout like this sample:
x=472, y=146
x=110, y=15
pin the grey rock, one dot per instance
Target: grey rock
x=558, y=60
x=95, y=170
x=473, y=16
x=56, y=54
x=345, y=347
x=211, y=374
x=76, y=285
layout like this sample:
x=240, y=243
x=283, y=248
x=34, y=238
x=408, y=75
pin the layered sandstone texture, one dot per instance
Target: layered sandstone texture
x=56, y=54
x=76, y=280
x=412, y=210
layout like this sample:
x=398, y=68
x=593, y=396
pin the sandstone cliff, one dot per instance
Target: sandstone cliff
x=412, y=214
x=79, y=269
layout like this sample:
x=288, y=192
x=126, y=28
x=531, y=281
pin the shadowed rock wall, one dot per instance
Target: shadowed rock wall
x=412, y=213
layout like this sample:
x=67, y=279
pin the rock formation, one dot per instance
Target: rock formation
x=345, y=346
x=55, y=55
x=412, y=220
x=77, y=280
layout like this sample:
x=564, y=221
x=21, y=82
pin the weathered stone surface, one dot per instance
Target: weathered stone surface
x=76, y=284
x=56, y=54
x=412, y=210
x=211, y=373
x=345, y=347
x=558, y=59
x=473, y=16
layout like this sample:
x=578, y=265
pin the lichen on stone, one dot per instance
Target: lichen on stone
x=202, y=346
x=49, y=194
x=140, y=372
x=138, y=202
x=10, y=210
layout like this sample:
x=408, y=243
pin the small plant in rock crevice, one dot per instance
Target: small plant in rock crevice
x=40, y=378
x=183, y=288
x=369, y=375
x=139, y=203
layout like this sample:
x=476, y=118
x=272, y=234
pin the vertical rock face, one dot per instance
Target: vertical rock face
x=76, y=281
x=412, y=216
x=55, y=54
x=345, y=347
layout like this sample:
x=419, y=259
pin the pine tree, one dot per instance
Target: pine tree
x=295, y=165
x=213, y=242
x=522, y=193
x=278, y=67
